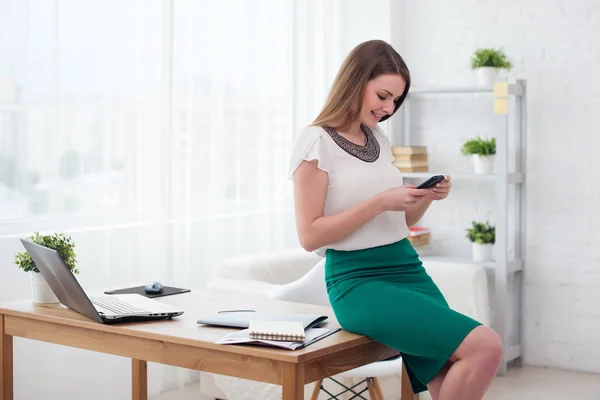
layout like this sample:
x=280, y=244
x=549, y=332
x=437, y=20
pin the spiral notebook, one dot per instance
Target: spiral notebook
x=313, y=335
x=285, y=331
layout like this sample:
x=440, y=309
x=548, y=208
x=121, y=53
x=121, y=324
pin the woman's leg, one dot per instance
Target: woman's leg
x=436, y=382
x=475, y=363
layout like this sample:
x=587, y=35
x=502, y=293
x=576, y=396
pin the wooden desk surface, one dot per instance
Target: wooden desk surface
x=185, y=330
x=182, y=342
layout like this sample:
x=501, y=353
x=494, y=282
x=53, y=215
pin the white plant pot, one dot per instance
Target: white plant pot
x=483, y=164
x=40, y=290
x=482, y=252
x=486, y=76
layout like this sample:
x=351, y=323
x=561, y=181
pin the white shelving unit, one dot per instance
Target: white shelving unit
x=510, y=110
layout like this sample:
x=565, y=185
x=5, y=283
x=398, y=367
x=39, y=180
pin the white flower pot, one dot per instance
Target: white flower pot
x=41, y=291
x=483, y=164
x=482, y=252
x=486, y=76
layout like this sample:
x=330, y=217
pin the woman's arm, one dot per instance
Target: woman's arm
x=316, y=230
x=415, y=212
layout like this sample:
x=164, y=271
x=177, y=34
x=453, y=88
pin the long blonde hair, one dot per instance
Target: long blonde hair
x=366, y=61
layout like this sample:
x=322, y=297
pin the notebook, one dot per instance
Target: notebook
x=285, y=331
x=241, y=318
x=312, y=335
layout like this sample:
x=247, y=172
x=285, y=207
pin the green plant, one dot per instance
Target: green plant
x=490, y=57
x=481, y=146
x=481, y=232
x=64, y=245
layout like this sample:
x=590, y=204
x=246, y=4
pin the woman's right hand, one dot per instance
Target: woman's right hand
x=401, y=197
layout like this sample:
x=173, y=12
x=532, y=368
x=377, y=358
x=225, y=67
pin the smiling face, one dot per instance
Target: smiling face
x=356, y=97
x=380, y=96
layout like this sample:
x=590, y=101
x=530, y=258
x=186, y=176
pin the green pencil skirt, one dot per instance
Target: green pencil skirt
x=385, y=293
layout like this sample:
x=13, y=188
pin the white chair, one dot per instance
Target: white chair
x=311, y=289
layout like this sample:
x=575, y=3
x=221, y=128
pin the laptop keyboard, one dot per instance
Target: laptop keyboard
x=116, y=306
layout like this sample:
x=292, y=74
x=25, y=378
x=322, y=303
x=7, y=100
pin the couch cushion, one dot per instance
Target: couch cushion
x=249, y=287
x=310, y=288
x=464, y=285
x=277, y=267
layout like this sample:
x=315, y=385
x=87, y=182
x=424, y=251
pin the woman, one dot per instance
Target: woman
x=351, y=205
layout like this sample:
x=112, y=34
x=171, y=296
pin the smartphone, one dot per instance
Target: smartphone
x=431, y=182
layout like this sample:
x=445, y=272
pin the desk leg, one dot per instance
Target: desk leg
x=6, y=363
x=139, y=379
x=293, y=382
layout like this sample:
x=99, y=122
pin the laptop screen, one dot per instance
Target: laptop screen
x=61, y=279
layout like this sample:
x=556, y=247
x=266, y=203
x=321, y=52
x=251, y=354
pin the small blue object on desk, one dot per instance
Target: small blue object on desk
x=154, y=288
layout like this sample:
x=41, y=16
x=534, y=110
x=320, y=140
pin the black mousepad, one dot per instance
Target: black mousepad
x=167, y=291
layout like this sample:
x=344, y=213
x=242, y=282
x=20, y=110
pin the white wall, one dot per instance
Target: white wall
x=360, y=22
x=555, y=46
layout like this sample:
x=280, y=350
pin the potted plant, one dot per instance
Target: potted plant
x=483, y=152
x=41, y=291
x=482, y=236
x=488, y=62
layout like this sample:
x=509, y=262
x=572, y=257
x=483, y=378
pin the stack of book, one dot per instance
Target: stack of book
x=410, y=158
x=419, y=236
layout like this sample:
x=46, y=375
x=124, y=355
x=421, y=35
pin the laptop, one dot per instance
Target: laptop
x=103, y=308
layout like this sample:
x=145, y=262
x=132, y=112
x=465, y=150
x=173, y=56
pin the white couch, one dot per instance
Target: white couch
x=463, y=284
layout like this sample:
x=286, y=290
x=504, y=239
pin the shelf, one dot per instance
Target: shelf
x=511, y=266
x=425, y=175
x=512, y=177
x=513, y=352
x=451, y=89
x=512, y=119
x=513, y=89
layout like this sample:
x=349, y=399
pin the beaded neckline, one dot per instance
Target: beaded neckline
x=368, y=153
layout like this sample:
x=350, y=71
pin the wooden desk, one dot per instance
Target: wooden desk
x=183, y=343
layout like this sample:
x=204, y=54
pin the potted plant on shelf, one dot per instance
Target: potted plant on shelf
x=488, y=62
x=483, y=152
x=482, y=236
x=41, y=291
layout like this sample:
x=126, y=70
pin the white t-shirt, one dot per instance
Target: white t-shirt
x=352, y=181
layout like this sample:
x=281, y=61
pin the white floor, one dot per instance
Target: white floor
x=545, y=384
x=531, y=383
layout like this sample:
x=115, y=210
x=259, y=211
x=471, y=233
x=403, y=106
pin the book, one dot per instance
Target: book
x=410, y=157
x=408, y=150
x=418, y=230
x=243, y=337
x=285, y=331
x=410, y=164
x=414, y=169
x=421, y=240
x=419, y=236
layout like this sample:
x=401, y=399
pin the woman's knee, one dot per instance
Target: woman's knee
x=482, y=342
x=495, y=349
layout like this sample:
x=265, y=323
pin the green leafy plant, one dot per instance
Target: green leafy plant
x=481, y=232
x=490, y=57
x=481, y=146
x=64, y=245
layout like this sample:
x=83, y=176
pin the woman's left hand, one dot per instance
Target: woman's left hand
x=441, y=190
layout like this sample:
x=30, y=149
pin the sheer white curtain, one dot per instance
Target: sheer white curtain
x=156, y=134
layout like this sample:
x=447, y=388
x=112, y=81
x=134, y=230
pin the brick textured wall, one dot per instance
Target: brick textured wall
x=555, y=46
